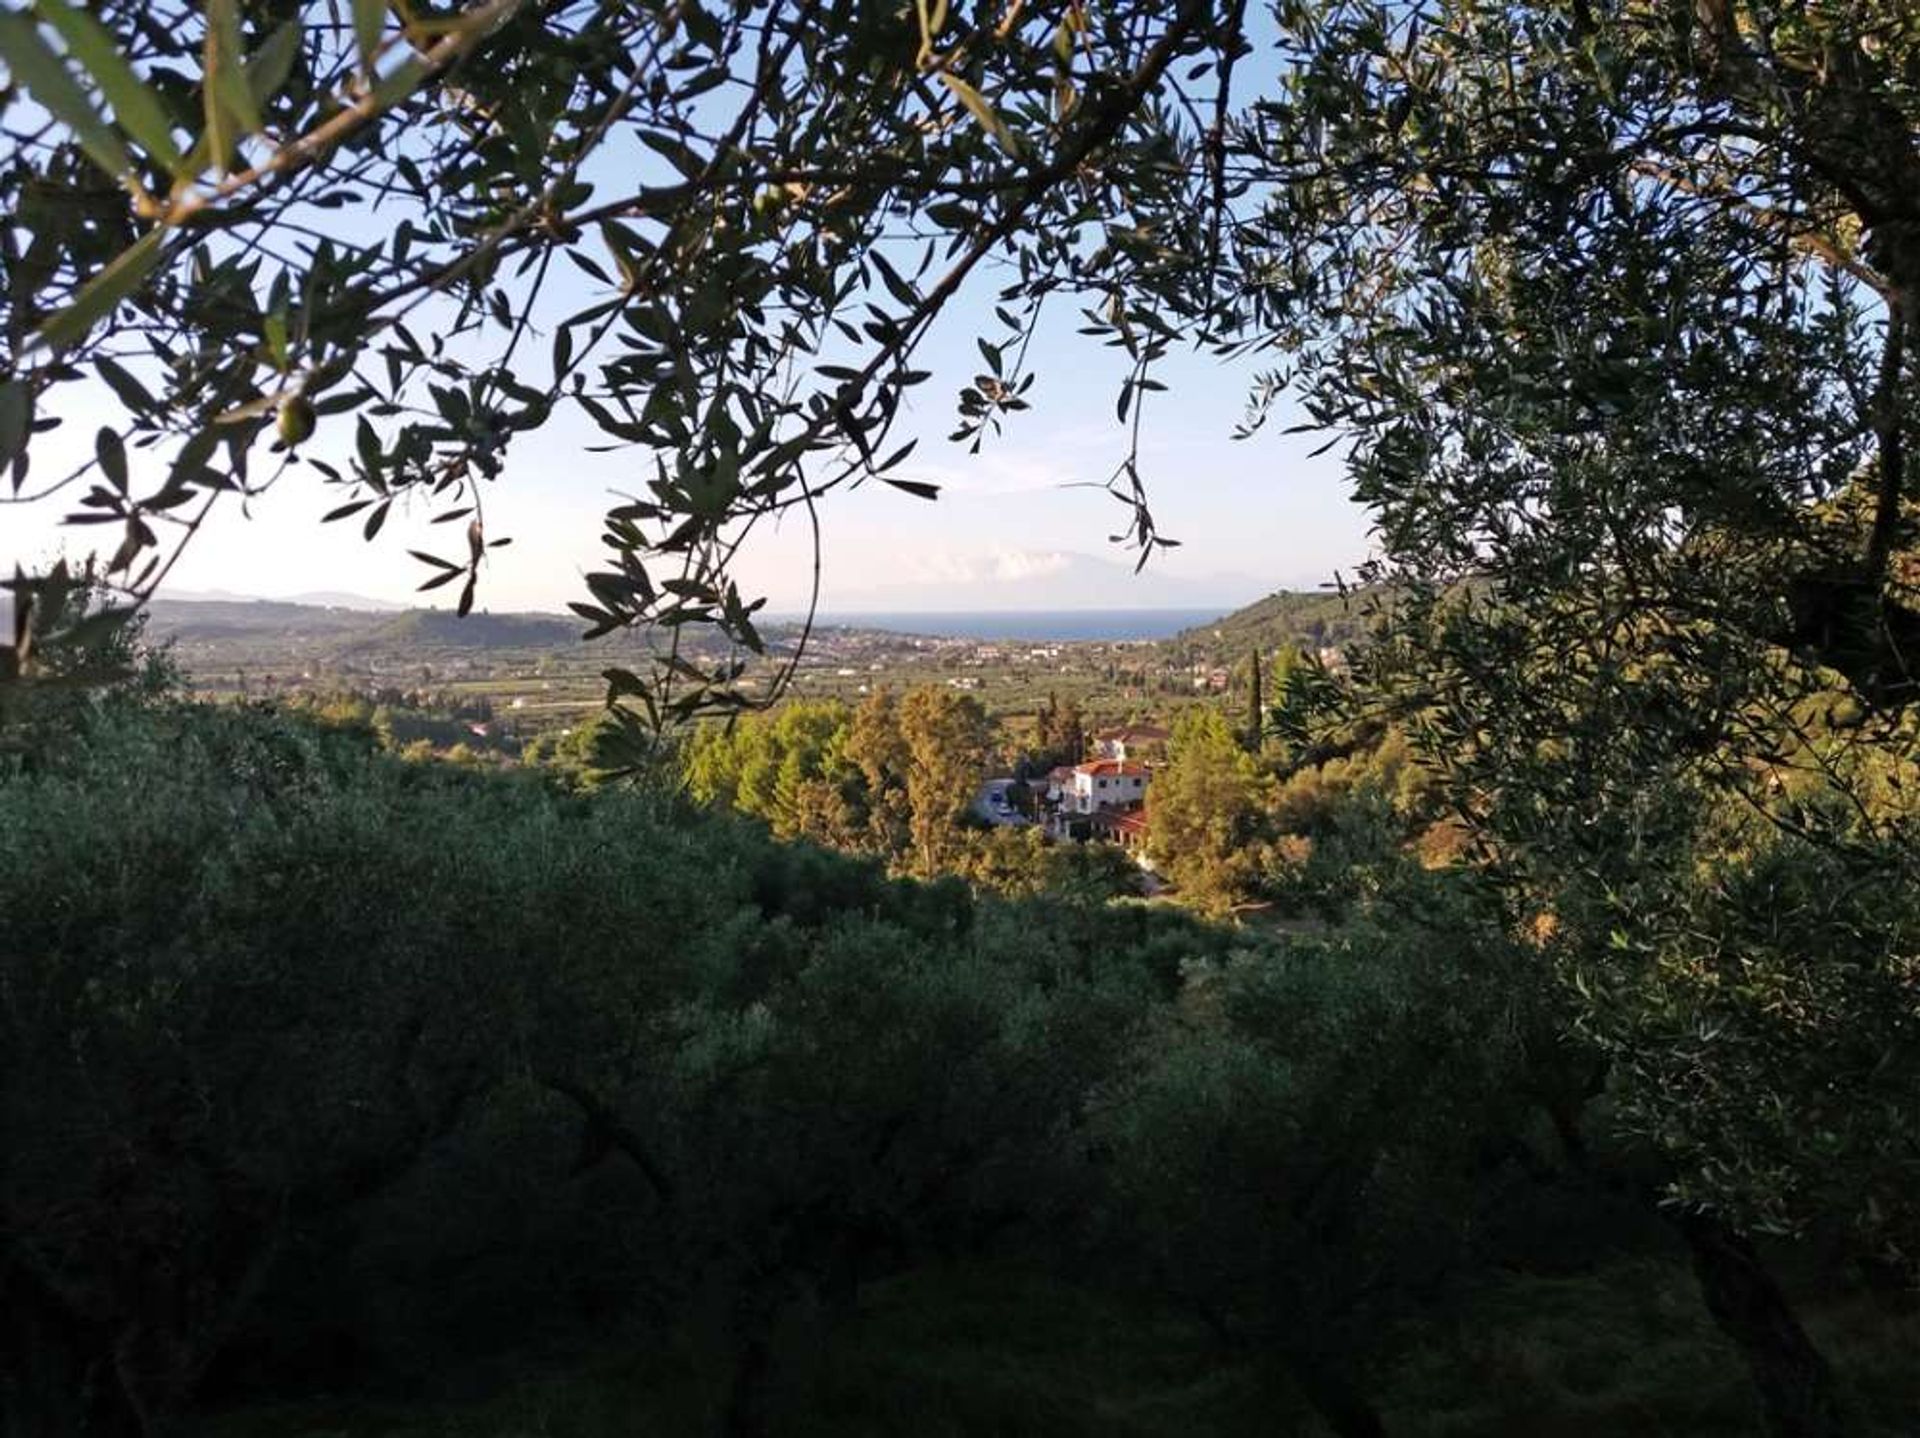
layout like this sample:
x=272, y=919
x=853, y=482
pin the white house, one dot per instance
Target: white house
x=1106, y=784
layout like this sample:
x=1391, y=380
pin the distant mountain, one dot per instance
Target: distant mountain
x=1040, y=580
x=339, y=599
x=319, y=598
x=193, y=620
x=344, y=630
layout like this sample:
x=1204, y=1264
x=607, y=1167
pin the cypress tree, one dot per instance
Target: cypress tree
x=1256, y=710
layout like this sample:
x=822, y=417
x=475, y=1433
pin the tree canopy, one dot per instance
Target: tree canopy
x=1613, y=304
x=1478, y=236
x=384, y=252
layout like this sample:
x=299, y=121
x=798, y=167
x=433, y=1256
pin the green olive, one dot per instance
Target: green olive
x=296, y=420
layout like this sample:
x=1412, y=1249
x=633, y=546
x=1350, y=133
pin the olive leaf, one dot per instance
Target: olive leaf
x=98, y=297
x=136, y=108
x=982, y=111
x=46, y=76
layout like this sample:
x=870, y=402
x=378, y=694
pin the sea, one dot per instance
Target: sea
x=1035, y=625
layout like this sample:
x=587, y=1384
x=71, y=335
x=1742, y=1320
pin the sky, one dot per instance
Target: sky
x=1251, y=515
x=1015, y=527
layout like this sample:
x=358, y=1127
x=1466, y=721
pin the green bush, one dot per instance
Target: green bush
x=324, y=1071
x=311, y=1050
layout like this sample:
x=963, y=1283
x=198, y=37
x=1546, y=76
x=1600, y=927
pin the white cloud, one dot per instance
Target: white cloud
x=943, y=565
x=1025, y=564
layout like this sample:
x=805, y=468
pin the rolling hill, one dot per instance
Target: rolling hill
x=1308, y=619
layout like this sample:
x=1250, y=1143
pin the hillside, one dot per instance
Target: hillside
x=347, y=633
x=1307, y=619
x=439, y=629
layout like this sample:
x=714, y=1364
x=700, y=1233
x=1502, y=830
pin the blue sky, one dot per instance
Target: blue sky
x=1252, y=515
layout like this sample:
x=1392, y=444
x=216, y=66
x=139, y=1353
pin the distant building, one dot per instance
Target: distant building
x=1090, y=801
x=1128, y=829
x=1106, y=784
x=1132, y=742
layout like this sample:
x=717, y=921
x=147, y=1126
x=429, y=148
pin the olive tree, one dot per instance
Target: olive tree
x=1612, y=306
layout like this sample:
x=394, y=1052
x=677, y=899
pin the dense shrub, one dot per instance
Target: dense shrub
x=1312, y=1149
x=324, y=1071
x=310, y=1052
